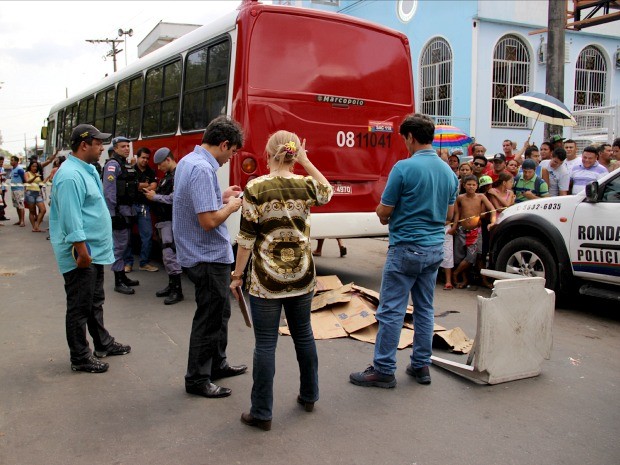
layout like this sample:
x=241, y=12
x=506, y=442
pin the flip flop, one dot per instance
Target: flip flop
x=448, y=287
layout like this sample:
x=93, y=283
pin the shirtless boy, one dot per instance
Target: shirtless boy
x=468, y=244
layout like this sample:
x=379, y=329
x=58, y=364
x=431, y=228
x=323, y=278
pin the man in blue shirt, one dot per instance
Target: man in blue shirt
x=204, y=252
x=416, y=203
x=18, y=178
x=81, y=236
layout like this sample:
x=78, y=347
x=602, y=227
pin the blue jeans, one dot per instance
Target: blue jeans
x=145, y=228
x=409, y=268
x=266, y=318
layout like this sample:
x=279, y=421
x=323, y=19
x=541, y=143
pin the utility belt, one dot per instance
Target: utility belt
x=162, y=211
x=120, y=222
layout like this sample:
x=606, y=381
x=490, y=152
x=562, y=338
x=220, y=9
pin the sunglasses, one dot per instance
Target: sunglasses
x=480, y=164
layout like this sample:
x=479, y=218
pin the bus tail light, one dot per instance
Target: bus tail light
x=248, y=165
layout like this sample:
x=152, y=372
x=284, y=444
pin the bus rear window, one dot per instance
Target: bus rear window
x=312, y=55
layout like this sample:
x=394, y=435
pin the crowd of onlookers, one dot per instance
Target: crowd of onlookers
x=488, y=185
x=29, y=189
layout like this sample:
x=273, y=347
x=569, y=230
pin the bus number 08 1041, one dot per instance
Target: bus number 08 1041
x=365, y=140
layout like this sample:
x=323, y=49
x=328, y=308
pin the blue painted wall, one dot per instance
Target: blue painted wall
x=472, y=28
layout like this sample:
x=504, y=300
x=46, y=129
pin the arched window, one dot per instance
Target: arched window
x=436, y=81
x=590, y=79
x=511, y=76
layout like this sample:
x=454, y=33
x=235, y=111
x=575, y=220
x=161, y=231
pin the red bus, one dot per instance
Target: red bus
x=343, y=84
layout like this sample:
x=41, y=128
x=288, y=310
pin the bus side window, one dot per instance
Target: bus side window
x=161, y=102
x=206, y=84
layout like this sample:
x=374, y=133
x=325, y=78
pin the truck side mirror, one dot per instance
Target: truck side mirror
x=592, y=192
x=44, y=133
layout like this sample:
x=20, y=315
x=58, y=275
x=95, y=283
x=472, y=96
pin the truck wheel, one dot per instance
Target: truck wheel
x=529, y=257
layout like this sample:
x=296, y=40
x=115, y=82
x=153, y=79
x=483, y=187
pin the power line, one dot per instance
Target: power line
x=112, y=53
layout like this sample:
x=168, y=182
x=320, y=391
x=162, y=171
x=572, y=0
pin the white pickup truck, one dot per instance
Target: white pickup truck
x=572, y=241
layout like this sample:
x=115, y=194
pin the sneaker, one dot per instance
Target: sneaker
x=148, y=267
x=371, y=377
x=421, y=375
x=128, y=268
x=91, y=365
x=115, y=349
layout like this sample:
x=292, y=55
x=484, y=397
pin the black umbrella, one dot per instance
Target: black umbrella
x=543, y=107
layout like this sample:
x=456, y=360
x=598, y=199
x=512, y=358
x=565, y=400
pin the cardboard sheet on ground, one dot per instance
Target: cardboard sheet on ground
x=373, y=296
x=369, y=334
x=355, y=314
x=453, y=339
x=327, y=283
x=409, y=324
x=368, y=294
x=324, y=326
x=342, y=294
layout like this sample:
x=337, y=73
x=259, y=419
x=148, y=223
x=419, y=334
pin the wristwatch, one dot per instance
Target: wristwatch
x=235, y=276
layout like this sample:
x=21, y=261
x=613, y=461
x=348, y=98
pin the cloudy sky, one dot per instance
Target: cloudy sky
x=44, y=54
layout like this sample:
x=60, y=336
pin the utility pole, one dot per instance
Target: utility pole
x=122, y=33
x=555, y=57
x=112, y=53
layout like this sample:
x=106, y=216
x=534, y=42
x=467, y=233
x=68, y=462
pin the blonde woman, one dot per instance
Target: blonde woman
x=275, y=233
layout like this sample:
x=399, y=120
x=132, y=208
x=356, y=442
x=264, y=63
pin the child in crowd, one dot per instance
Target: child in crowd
x=513, y=167
x=500, y=194
x=464, y=171
x=469, y=207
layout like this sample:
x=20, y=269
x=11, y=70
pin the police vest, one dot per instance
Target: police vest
x=163, y=211
x=126, y=182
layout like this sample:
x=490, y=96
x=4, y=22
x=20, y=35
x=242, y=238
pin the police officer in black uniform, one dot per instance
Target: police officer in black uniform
x=120, y=189
x=162, y=207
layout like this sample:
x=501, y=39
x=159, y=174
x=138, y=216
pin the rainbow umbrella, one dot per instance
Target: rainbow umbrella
x=449, y=136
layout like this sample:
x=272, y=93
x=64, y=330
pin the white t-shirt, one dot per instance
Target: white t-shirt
x=572, y=163
x=559, y=178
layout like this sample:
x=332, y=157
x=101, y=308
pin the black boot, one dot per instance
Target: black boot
x=176, y=293
x=128, y=281
x=165, y=292
x=120, y=286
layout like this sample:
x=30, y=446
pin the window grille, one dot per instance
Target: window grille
x=590, y=85
x=511, y=76
x=326, y=2
x=436, y=80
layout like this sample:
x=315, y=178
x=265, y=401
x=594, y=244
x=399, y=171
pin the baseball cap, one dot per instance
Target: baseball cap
x=556, y=138
x=84, y=131
x=528, y=164
x=161, y=155
x=456, y=151
x=499, y=157
x=484, y=181
x=118, y=139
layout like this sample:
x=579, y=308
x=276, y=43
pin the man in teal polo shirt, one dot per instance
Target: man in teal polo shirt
x=81, y=236
x=416, y=203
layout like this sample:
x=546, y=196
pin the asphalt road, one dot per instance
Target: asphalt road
x=139, y=413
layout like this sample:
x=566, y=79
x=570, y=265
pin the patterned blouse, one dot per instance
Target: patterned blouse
x=275, y=225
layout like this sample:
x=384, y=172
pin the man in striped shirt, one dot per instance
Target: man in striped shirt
x=587, y=171
x=199, y=211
